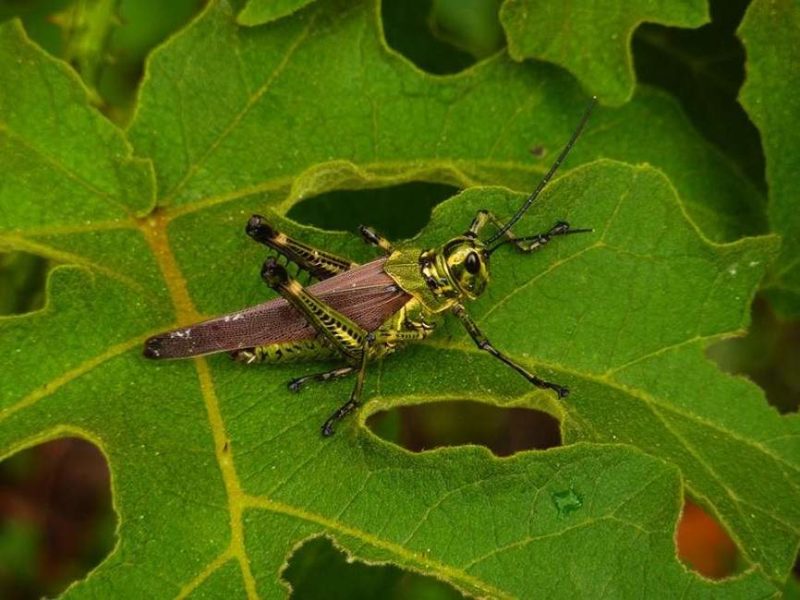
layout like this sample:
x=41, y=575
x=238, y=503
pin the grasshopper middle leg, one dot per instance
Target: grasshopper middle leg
x=298, y=382
x=373, y=238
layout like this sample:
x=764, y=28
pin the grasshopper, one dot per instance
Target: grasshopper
x=361, y=313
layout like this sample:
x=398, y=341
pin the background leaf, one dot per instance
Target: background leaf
x=47, y=148
x=770, y=32
x=219, y=472
x=258, y=12
x=566, y=33
x=704, y=68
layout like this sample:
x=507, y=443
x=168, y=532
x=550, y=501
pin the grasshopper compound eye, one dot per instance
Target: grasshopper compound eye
x=472, y=263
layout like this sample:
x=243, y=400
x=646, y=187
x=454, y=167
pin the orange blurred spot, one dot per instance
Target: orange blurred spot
x=703, y=545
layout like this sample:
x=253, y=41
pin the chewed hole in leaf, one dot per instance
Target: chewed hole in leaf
x=504, y=431
x=22, y=280
x=443, y=36
x=56, y=518
x=767, y=354
x=703, y=545
x=318, y=570
x=396, y=212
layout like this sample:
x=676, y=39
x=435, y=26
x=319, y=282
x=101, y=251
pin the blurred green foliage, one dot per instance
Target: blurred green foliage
x=704, y=68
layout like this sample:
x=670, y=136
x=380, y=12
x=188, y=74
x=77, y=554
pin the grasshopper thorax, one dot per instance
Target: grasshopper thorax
x=458, y=268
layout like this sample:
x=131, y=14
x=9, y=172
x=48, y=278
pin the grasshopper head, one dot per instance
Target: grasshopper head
x=466, y=260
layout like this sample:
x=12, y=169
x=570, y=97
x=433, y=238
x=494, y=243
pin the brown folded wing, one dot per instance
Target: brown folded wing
x=365, y=294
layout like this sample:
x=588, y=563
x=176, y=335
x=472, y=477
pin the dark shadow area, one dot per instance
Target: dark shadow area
x=397, y=212
x=704, y=69
x=318, y=570
x=56, y=518
x=22, y=282
x=768, y=354
x=795, y=579
x=442, y=37
x=703, y=545
x=504, y=431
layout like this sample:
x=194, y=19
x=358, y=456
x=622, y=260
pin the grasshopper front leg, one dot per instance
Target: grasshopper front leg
x=484, y=344
x=525, y=244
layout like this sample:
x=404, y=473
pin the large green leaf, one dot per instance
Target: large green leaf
x=219, y=472
x=771, y=34
x=566, y=33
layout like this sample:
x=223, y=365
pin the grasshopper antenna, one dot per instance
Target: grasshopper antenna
x=549, y=175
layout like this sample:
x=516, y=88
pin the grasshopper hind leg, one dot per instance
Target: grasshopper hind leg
x=343, y=335
x=318, y=263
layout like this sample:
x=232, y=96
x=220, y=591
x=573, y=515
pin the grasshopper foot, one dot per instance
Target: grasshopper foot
x=327, y=428
x=296, y=384
x=560, y=390
x=338, y=415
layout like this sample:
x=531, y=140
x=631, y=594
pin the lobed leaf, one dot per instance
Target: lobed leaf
x=219, y=472
x=566, y=33
x=44, y=144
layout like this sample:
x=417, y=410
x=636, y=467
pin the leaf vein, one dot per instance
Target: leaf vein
x=251, y=102
x=57, y=166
